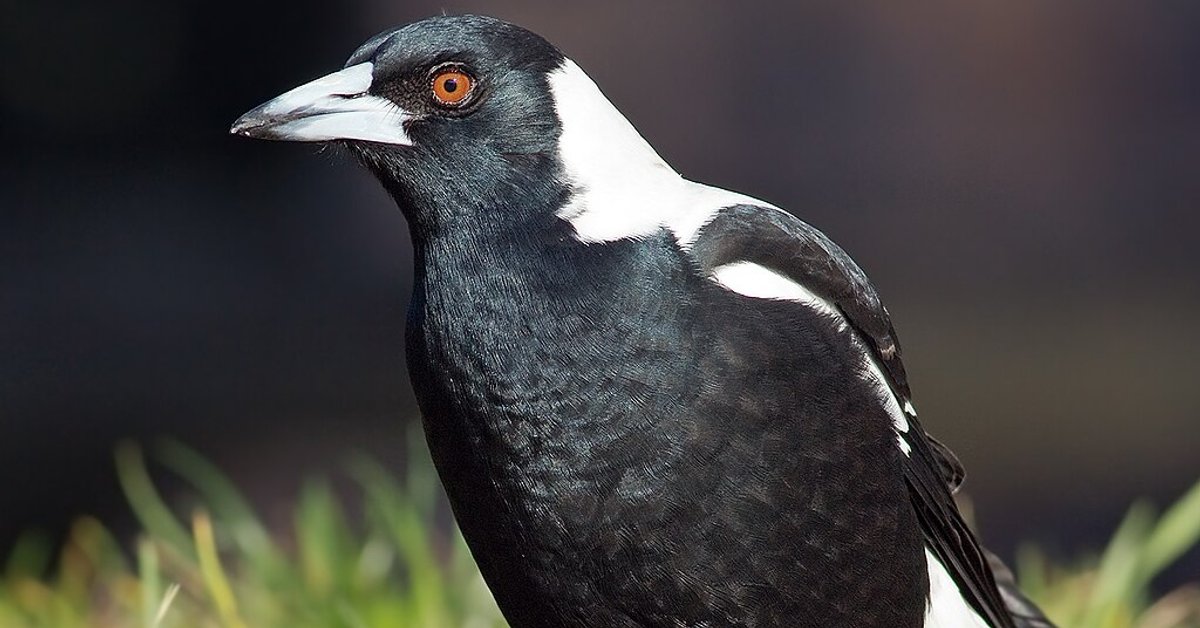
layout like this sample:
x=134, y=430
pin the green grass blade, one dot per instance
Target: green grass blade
x=30, y=556
x=215, y=579
x=98, y=545
x=222, y=498
x=412, y=535
x=149, y=508
x=151, y=581
x=1178, y=530
x=1116, y=578
x=165, y=606
x=1031, y=570
x=323, y=540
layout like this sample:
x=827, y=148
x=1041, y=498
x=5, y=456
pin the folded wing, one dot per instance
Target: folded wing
x=781, y=243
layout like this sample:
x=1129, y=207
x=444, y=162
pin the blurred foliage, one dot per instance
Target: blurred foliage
x=391, y=564
x=1113, y=590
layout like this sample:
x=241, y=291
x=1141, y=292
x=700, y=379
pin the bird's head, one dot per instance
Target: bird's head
x=460, y=116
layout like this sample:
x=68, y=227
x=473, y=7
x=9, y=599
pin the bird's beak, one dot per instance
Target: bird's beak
x=333, y=107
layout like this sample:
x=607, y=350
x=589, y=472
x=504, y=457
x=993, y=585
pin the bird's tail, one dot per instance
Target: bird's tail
x=1025, y=613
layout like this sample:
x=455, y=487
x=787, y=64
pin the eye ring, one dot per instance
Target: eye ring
x=451, y=86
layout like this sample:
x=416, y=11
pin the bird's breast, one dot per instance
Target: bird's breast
x=619, y=434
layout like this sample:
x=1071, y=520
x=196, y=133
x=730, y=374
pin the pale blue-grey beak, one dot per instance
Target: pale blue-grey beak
x=334, y=107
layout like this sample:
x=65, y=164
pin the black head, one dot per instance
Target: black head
x=452, y=113
x=473, y=122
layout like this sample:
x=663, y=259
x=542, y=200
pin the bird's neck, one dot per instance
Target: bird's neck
x=521, y=350
x=502, y=317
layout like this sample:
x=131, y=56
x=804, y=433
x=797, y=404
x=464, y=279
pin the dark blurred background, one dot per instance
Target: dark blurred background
x=1019, y=179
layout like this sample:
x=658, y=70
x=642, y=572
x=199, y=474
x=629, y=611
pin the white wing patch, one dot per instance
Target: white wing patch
x=754, y=280
x=947, y=607
x=757, y=281
x=622, y=188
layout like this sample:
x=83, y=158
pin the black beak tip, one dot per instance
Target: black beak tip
x=256, y=123
x=245, y=126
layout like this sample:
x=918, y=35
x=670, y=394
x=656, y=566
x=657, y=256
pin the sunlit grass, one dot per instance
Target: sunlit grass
x=1112, y=589
x=386, y=563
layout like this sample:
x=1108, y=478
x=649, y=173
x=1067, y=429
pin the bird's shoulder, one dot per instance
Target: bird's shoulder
x=755, y=235
x=774, y=250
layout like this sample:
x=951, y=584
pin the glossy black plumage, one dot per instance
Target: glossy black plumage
x=793, y=248
x=620, y=464
x=624, y=440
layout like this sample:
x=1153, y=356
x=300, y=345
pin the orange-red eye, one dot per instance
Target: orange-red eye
x=451, y=87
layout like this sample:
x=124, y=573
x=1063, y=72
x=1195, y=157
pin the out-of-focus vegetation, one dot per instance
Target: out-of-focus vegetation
x=1112, y=589
x=385, y=564
x=392, y=565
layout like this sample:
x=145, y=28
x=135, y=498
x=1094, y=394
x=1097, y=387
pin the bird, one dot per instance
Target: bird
x=651, y=402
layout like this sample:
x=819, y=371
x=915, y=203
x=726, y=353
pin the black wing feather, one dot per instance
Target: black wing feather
x=791, y=247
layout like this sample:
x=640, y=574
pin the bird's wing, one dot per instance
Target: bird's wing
x=786, y=245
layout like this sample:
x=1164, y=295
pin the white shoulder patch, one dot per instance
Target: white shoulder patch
x=623, y=188
x=947, y=607
x=755, y=280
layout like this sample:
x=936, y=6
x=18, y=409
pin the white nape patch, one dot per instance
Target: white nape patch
x=754, y=280
x=334, y=107
x=947, y=607
x=623, y=188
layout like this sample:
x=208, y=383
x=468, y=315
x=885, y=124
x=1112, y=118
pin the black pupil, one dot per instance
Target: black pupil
x=450, y=85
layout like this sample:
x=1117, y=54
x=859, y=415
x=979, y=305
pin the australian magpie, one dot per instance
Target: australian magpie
x=652, y=402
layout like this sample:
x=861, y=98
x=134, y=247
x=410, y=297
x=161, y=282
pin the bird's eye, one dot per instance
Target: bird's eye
x=452, y=86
